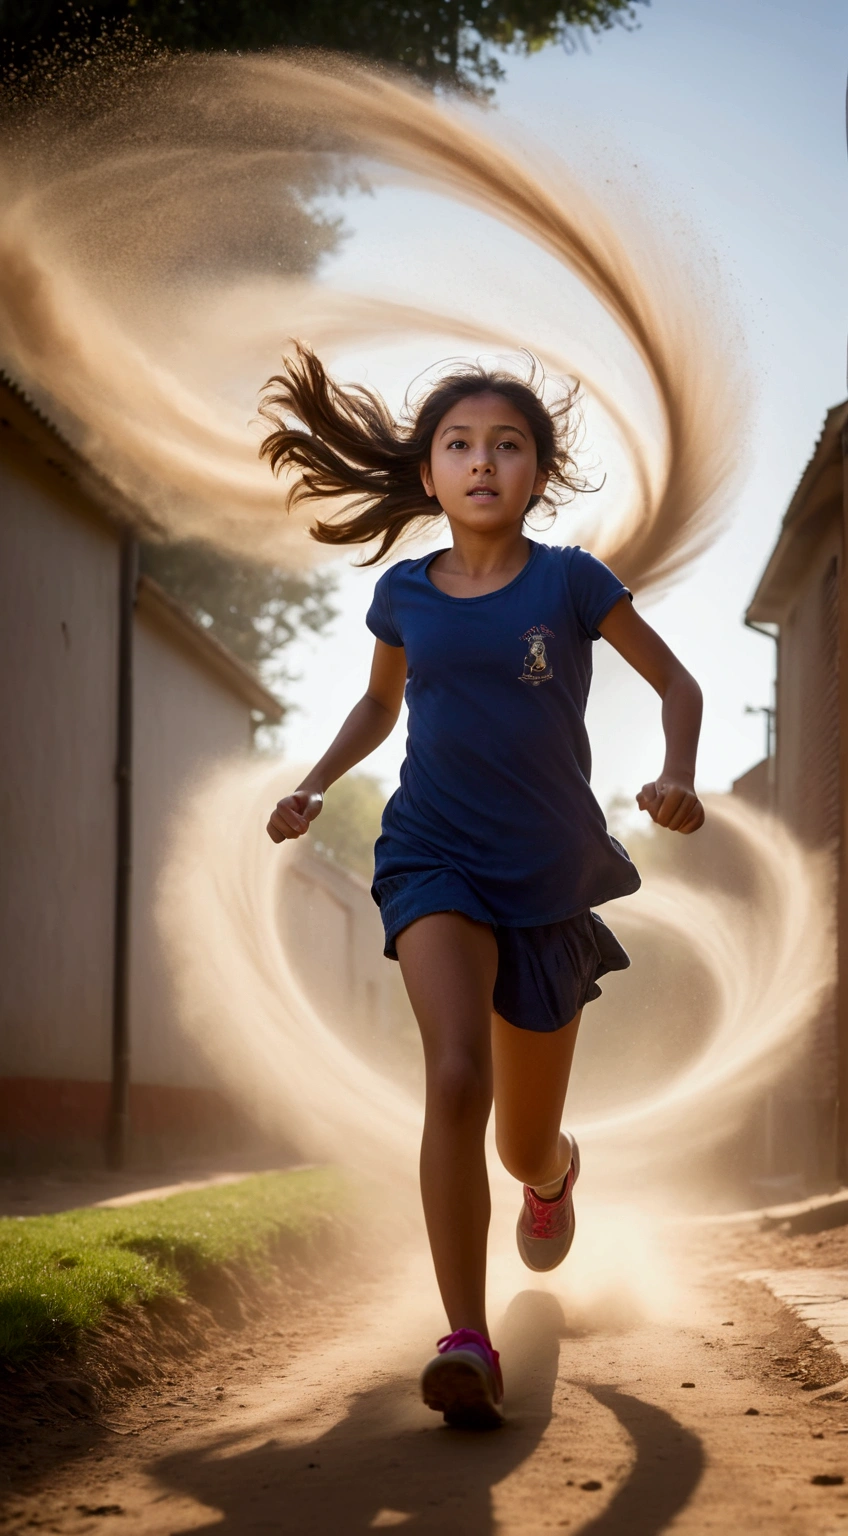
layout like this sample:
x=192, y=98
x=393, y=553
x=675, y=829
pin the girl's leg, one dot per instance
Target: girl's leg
x=531, y=1073
x=449, y=965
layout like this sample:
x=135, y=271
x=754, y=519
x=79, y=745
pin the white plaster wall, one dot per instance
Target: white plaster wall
x=185, y=721
x=807, y=703
x=58, y=641
x=334, y=936
x=807, y=799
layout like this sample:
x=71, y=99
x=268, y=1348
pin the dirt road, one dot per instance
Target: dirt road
x=701, y=1417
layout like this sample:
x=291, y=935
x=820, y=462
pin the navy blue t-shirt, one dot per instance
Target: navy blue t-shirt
x=495, y=784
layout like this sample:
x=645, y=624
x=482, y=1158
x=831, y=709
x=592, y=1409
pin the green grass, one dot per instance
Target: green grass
x=58, y=1274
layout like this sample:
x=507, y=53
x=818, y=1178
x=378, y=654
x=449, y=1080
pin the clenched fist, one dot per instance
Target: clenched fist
x=672, y=803
x=292, y=815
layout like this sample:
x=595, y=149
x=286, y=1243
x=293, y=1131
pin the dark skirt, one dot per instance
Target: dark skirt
x=546, y=973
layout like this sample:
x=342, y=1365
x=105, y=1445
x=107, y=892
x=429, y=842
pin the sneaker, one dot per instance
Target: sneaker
x=545, y=1228
x=463, y=1381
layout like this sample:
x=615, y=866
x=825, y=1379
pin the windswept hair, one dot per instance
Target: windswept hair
x=349, y=444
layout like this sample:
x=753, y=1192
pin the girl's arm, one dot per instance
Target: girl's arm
x=368, y=724
x=671, y=800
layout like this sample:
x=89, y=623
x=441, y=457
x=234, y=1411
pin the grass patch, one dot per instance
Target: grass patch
x=58, y=1274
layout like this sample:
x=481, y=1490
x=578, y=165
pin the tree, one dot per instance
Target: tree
x=349, y=824
x=255, y=610
x=448, y=43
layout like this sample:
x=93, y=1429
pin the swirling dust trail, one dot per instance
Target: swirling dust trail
x=140, y=286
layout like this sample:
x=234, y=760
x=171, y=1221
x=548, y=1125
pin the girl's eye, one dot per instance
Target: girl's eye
x=507, y=443
x=458, y=442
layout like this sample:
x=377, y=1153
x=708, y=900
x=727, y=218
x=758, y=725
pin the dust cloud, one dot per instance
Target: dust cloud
x=148, y=280
x=767, y=952
x=148, y=222
x=770, y=958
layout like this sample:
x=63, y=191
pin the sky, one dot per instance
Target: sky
x=729, y=114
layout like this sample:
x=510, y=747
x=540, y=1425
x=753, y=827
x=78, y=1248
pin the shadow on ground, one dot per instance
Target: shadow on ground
x=380, y=1466
x=666, y=1472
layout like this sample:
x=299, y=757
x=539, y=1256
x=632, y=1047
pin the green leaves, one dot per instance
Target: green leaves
x=449, y=43
x=349, y=824
x=255, y=610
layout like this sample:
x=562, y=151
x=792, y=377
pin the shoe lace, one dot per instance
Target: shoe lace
x=546, y=1213
x=462, y=1336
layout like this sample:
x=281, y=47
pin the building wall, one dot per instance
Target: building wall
x=184, y=722
x=755, y=787
x=59, y=595
x=334, y=937
x=58, y=638
x=804, y=1109
x=807, y=702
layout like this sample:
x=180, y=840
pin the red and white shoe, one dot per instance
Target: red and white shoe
x=463, y=1381
x=545, y=1228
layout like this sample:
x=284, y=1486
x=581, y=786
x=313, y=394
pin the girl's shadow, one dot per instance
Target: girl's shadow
x=387, y=1465
x=381, y=1466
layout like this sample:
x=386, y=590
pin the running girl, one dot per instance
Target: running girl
x=493, y=850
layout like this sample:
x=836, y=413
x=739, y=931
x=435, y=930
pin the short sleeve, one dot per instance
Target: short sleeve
x=594, y=590
x=380, y=618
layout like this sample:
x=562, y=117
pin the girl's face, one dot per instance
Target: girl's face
x=483, y=465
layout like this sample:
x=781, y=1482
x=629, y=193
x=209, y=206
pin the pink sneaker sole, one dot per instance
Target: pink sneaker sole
x=458, y=1385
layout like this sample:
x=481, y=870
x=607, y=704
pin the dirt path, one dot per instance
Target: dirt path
x=313, y=1424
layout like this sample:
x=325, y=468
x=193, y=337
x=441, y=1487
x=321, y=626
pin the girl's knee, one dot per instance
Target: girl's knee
x=460, y=1089
x=527, y=1157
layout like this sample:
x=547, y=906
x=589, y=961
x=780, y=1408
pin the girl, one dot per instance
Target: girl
x=493, y=850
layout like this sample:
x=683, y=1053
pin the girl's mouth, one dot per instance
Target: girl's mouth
x=483, y=493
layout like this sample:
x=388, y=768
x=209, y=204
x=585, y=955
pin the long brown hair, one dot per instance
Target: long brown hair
x=350, y=445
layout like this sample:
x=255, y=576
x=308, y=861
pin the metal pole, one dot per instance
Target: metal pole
x=119, y=1111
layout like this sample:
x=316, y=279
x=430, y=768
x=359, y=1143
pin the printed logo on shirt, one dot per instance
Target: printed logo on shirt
x=537, y=665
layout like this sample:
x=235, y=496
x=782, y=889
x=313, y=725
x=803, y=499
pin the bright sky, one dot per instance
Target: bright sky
x=733, y=112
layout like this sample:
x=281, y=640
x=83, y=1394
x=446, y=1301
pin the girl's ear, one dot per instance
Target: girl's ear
x=540, y=484
x=427, y=477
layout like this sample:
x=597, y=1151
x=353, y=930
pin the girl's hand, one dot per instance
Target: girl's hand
x=672, y=803
x=292, y=815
